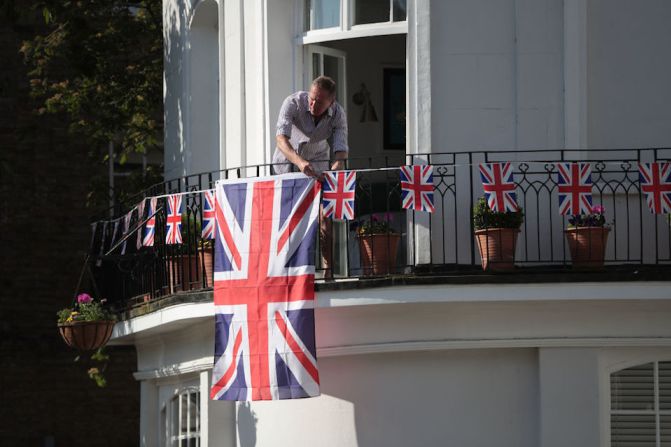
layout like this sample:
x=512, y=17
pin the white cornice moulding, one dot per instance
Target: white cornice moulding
x=180, y=315
x=206, y=363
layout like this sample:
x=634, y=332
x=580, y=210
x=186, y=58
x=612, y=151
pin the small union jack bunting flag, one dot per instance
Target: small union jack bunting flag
x=338, y=194
x=140, y=217
x=150, y=227
x=208, y=215
x=173, y=234
x=497, y=181
x=417, y=188
x=575, y=188
x=656, y=185
x=126, y=227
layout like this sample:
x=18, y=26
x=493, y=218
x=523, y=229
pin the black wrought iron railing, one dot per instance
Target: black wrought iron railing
x=428, y=243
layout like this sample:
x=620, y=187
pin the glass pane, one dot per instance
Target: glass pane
x=316, y=67
x=331, y=68
x=324, y=13
x=633, y=388
x=198, y=414
x=371, y=11
x=632, y=430
x=184, y=422
x=665, y=385
x=193, y=412
x=665, y=430
x=174, y=414
x=400, y=10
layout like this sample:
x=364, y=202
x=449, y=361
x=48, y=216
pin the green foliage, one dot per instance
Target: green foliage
x=378, y=223
x=93, y=311
x=484, y=217
x=100, y=62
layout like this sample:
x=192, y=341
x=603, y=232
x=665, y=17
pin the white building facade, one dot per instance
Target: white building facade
x=579, y=360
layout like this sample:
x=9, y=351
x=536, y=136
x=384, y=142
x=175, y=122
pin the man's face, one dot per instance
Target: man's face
x=319, y=101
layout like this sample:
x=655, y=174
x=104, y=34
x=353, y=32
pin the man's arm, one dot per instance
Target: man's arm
x=288, y=151
x=339, y=141
x=339, y=162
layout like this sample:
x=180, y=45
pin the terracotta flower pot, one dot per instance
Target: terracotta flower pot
x=378, y=253
x=497, y=248
x=86, y=335
x=587, y=245
x=185, y=272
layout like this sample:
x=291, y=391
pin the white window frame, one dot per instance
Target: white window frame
x=347, y=30
x=310, y=50
x=168, y=412
x=656, y=412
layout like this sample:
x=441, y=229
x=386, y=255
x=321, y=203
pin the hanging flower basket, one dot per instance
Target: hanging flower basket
x=86, y=335
x=87, y=325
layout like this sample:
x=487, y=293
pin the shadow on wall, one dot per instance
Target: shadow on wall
x=173, y=58
x=246, y=425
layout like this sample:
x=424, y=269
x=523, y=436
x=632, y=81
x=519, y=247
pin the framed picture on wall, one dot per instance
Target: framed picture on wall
x=394, y=108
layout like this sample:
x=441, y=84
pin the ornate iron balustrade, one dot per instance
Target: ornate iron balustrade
x=429, y=243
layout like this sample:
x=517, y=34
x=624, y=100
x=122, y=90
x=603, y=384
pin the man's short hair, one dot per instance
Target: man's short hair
x=325, y=83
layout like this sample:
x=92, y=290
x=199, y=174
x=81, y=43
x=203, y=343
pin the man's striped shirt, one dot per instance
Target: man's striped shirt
x=312, y=142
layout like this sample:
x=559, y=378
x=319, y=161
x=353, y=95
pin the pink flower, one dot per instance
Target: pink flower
x=84, y=298
x=598, y=209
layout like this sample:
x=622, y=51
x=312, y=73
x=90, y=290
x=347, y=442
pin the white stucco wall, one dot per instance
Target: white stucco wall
x=469, y=397
x=190, y=87
x=518, y=365
x=203, y=92
x=628, y=77
x=496, y=74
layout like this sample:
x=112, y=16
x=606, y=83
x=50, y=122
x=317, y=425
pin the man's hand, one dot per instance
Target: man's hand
x=338, y=165
x=306, y=168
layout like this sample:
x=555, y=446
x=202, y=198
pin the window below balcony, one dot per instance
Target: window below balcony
x=181, y=419
x=641, y=406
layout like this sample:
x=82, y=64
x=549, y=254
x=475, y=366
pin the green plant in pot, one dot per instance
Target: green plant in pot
x=496, y=235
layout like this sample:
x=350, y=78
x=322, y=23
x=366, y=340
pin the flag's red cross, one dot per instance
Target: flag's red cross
x=258, y=290
x=575, y=188
x=498, y=188
x=656, y=187
x=416, y=186
x=174, y=219
x=339, y=195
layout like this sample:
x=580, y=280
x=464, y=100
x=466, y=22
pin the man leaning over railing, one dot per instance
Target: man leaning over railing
x=309, y=125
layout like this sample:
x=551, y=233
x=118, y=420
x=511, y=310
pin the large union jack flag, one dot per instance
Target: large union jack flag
x=150, y=227
x=575, y=188
x=264, y=289
x=338, y=194
x=499, y=187
x=173, y=220
x=656, y=185
x=208, y=215
x=417, y=188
